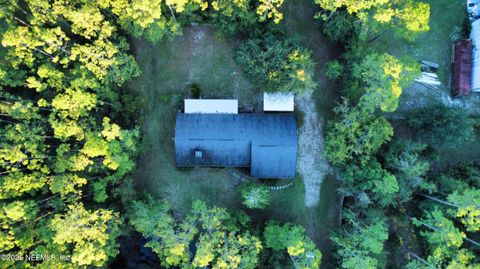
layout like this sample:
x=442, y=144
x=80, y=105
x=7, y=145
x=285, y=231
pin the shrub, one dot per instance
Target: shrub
x=255, y=195
x=333, y=70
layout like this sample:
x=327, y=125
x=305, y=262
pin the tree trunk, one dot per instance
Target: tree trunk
x=417, y=257
x=438, y=200
x=376, y=37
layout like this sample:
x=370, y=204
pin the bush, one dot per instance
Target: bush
x=277, y=64
x=442, y=126
x=195, y=91
x=255, y=195
x=333, y=70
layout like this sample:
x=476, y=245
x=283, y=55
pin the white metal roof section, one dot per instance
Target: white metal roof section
x=475, y=36
x=278, y=101
x=473, y=8
x=211, y=106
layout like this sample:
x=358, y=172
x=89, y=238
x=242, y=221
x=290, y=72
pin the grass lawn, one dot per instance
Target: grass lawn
x=198, y=57
x=446, y=19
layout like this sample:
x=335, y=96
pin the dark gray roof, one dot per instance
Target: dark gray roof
x=266, y=142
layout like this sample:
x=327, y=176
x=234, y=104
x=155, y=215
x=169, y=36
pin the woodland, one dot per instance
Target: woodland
x=72, y=138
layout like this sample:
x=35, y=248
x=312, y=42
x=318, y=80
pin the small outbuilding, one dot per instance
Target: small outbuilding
x=278, y=101
x=475, y=37
x=227, y=106
x=267, y=143
x=462, y=68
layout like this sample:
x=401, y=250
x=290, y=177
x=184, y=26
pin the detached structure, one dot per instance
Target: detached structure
x=267, y=143
x=462, y=68
x=278, y=101
x=228, y=106
x=475, y=37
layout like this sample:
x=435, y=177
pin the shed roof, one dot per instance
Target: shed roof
x=475, y=37
x=278, y=101
x=211, y=106
x=462, y=68
x=265, y=142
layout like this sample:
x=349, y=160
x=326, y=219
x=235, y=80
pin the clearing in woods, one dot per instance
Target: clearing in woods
x=198, y=57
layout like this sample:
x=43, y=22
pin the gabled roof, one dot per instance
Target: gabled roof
x=462, y=68
x=265, y=142
x=475, y=37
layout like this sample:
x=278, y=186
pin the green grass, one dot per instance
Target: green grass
x=446, y=18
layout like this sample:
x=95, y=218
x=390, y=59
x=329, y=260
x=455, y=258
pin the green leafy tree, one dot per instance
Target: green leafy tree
x=90, y=235
x=68, y=59
x=277, y=64
x=384, y=77
x=292, y=239
x=230, y=18
x=218, y=237
x=407, y=18
x=268, y=9
x=356, y=135
x=369, y=183
x=340, y=27
x=362, y=245
x=405, y=159
x=255, y=195
x=445, y=242
x=463, y=204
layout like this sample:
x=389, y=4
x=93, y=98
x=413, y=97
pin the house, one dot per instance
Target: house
x=266, y=143
x=462, y=68
x=278, y=101
x=475, y=37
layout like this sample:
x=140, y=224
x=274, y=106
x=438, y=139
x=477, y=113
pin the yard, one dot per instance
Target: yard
x=436, y=46
x=199, y=58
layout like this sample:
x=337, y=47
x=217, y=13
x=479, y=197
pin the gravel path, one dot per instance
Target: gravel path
x=312, y=165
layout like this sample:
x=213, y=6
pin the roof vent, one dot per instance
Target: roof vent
x=198, y=154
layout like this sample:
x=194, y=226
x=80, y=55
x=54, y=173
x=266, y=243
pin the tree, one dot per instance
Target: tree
x=361, y=246
x=230, y=18
x=255, y=195
x=90, y=234
x=277, y=64
x=442, y=126
x=384, y=76
x=404, y=158
x=369, y=183
x=340, y=27
x=218, y=237
x=407, y=18
x=292, y=238
x=269, y=9
x=67, y=59
x=445, y=242
x=465, y=205
x=357, y=135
